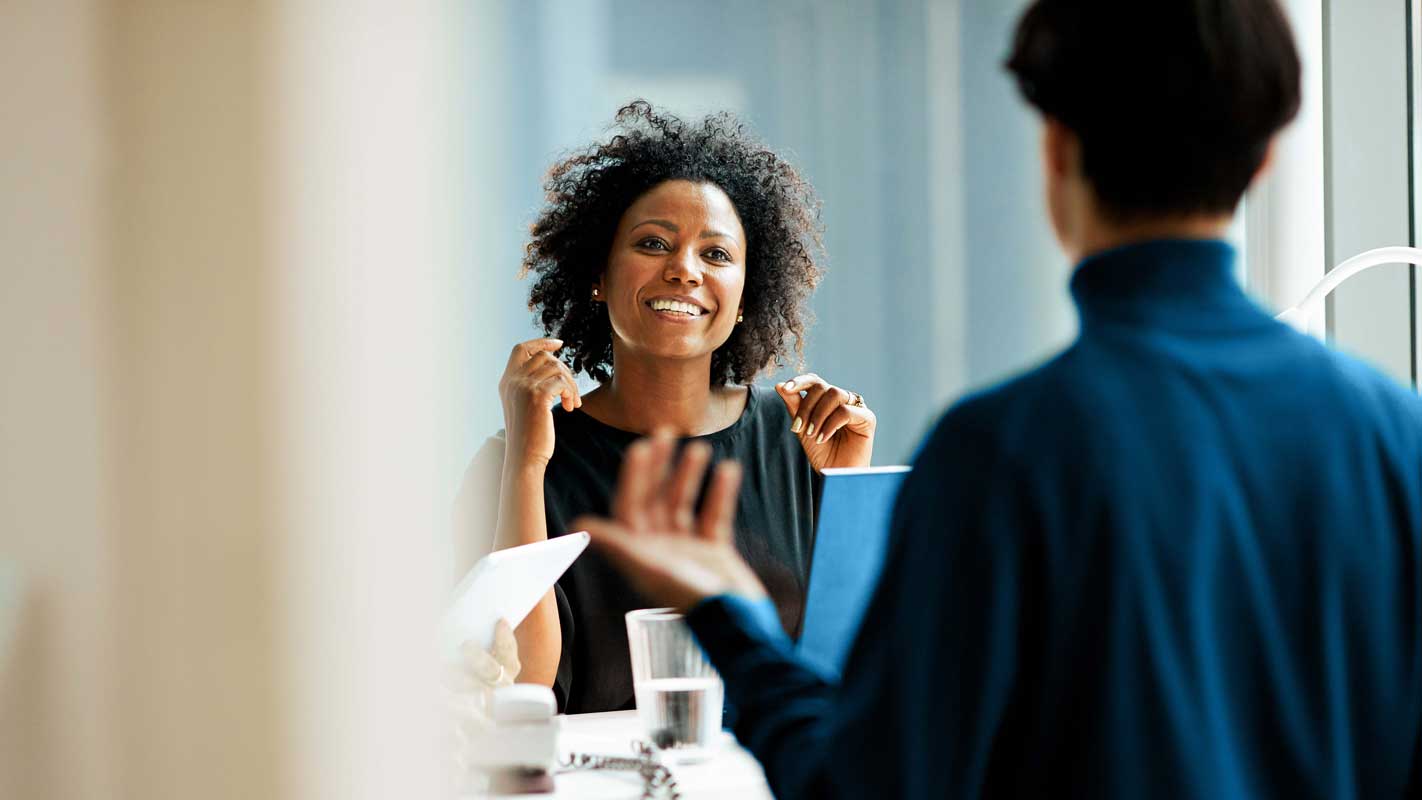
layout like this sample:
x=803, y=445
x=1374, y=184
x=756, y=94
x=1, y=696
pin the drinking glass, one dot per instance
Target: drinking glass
x=679, y=695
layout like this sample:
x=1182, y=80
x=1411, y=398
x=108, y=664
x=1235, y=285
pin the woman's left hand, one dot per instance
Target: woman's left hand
x=835, y=427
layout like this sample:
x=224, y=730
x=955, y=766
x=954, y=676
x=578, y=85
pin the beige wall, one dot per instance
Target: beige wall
x=193, y=423
x=54, y=521
x=227, y=241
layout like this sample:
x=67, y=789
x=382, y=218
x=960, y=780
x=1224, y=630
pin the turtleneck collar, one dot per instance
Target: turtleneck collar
x=1183, y=284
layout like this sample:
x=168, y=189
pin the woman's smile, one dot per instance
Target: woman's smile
x=678, y=309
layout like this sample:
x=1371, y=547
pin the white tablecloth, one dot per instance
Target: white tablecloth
x=730, y=773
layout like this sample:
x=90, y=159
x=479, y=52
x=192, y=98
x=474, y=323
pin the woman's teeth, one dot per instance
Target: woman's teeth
x=676, y=307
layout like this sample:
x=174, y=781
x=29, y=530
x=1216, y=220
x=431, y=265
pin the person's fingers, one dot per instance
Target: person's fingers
x=523, y=351
x=572, y=399
x=567, y=390
x=482, y=665
x=633, y=484
x=506, y=649
x=553, y=387
x=540, y=368
x=833, y=399
x=814, y=390
x=718, y=510
x=542, y=365
x=685, y=483
x=658, y=509
x=833, y=424
x=801, y=382
x=575, y=398
x=791, y=397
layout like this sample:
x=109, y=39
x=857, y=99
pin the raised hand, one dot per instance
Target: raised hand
x=533, y=380
x=835, y=428
x=670, y=554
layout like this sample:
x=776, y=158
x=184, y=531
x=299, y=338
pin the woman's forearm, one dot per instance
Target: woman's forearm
x=522, y=521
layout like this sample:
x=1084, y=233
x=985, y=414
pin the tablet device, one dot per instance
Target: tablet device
x=505, y=584
x=851, y=540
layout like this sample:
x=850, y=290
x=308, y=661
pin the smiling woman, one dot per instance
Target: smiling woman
x=673, y=263
x=773, y=217
x=677, y=259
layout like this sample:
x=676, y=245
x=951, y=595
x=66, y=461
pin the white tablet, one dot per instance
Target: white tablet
x=506, y=584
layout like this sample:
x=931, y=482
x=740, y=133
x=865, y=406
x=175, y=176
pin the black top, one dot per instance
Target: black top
x=775, y=525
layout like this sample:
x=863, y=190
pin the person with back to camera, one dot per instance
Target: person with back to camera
x=673, y=263
x=1181, y=559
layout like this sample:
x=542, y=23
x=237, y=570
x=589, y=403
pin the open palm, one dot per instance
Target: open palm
x=671, y=555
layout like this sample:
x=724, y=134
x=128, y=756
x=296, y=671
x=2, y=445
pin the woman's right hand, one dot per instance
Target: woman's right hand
x=532, y=381
x=479, y=673
x=485, y=670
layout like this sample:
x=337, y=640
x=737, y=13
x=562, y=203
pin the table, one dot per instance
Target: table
x=730, y=773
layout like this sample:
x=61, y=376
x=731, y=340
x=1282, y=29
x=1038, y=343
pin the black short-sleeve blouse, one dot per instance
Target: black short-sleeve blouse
x=775, y=525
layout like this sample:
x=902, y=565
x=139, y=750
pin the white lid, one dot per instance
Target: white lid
x=524, y=702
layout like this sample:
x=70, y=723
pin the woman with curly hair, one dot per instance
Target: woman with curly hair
x=672, y=264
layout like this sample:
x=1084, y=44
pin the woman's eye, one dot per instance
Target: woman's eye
x=653, y=243
x=717, y=254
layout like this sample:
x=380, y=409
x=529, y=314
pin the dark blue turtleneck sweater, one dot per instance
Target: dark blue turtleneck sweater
x=1179, y=560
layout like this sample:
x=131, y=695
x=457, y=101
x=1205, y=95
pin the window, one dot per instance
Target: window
x=1345, y=176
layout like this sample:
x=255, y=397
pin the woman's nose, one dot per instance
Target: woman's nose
x=683, y=267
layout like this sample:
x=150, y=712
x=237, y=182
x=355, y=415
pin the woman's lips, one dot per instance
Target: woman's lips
x=676, y=316
x=676, y=309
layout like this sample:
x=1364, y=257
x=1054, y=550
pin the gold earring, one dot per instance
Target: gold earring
x=740, y=318
x=595, y=292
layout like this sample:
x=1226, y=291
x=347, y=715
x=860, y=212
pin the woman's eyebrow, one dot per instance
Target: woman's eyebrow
x=669, y=225
x=711, y=234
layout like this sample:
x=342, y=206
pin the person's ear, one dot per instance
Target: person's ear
x=1266, y=163
x=1061, y=149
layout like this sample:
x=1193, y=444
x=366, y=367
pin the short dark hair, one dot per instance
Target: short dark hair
x=590, y=190
x=1174, y=101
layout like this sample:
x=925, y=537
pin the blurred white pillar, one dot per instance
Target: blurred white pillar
x=362, y=205
x=226, y=238
x=192, y=420
x=1285, y=217
x=55, y=530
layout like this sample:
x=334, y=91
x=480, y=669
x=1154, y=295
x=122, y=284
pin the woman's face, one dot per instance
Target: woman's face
x=676, y=272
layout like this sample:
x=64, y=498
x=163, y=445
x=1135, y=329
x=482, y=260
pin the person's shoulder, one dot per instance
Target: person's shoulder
x=1370, y=396
x=974, y=449
x=1342, y=384
x=763, y=404
x=763, y=432
x=492, y=450
x=761, y=439
x=1003, y=412
x=486, y=465
x=763, y=410
x=476, y=504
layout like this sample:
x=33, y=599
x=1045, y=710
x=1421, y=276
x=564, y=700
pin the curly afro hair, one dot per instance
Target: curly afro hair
x=588, y=192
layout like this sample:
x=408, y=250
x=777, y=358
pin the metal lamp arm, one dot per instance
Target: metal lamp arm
x=1302, y=315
